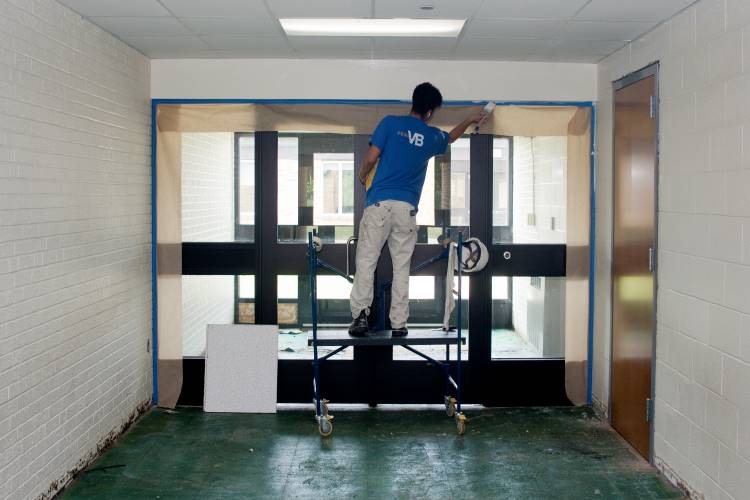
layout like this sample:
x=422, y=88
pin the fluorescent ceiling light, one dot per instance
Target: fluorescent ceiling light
x=372, y=27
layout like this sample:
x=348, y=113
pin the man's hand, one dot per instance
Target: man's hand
x=477, y=116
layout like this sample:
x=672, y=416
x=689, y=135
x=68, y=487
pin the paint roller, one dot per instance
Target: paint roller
x=488, y=109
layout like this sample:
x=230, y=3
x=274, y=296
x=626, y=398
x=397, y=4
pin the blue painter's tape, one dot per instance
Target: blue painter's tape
x=369, y=102
x=592, y=261
x=154, y=302
x=373, y=102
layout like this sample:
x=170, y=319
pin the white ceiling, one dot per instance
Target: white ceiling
x=511, y=30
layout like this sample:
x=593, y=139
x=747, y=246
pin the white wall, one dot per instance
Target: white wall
x=75, y=280
x=702, y=421
x=370, y=79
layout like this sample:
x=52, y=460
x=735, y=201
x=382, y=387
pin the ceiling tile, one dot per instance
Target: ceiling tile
x=445, y=9
x=413, y=43
x=216, y=8
x=232, y=26
x=631, y=10
x=174, y=43
x=494, y=55
x=495, y=49
x=135, y=26
x=559, y=58
x=92, y=8
x=334, y=54
x=240, y=54
x=582, y=47
x=415, y=55
x=530, y=9
x=509, y=45
x=604, y=30
x=333, y=43
x=244, y=42
x=513, y=28
x=320, y=8
x=496, y=29
x=158, y=53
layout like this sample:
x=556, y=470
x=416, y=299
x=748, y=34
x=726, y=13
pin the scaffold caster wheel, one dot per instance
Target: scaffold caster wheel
x=450, y=406
x=460, y=423
x=325, y=426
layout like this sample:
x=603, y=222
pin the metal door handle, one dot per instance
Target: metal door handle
x=349, y=241
x=651, y=260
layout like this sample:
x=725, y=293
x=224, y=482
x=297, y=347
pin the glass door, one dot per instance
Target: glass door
x=249, y=200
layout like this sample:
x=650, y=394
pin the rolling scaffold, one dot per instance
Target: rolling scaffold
x=379, y=337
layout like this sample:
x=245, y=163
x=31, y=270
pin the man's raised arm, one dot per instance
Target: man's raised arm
x=474, y=117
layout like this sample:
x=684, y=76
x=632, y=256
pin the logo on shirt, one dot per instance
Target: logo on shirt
x=415, y=138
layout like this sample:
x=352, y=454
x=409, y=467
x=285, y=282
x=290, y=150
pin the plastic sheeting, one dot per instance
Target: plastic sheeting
x=351, y=118
x=577, y=260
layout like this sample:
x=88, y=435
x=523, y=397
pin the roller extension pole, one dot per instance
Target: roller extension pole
x=312, y=260
x=458, y=323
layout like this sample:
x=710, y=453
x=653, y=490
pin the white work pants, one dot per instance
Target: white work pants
x=394, y=222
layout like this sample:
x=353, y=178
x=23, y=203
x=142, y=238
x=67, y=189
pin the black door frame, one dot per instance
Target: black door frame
x=487, y=381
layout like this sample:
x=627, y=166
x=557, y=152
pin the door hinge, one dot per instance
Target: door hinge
x=649, y=409
x=651, y=260
x=652, y=106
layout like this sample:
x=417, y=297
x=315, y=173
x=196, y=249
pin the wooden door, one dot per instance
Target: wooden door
x=633, y=259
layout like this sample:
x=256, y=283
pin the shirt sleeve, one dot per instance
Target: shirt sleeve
x=441, y=142
x=379, y=138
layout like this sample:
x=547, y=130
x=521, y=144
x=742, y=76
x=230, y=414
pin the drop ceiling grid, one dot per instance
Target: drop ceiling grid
x=530, y=30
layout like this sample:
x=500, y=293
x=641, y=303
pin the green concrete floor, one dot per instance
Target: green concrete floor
x=529, y=453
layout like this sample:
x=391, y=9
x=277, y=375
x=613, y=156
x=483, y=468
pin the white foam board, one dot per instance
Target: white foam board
x=241, y=368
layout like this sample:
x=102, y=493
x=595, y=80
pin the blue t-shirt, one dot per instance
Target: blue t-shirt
x=406, y=145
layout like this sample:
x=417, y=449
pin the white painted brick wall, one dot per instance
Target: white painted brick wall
x=75, y=298
x=702, y=417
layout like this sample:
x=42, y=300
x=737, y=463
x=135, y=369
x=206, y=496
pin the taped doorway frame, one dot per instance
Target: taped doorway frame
x=592, y=208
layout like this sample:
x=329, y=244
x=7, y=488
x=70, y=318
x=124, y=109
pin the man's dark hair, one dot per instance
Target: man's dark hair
x=425, y=98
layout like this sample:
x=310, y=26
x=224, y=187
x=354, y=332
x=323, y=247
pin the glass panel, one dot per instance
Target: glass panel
x=347, y=195
x=500, y=289
x=246, y=191
x=247, y=179
x=208, y=212
x=316, y=187
x=246, y=299
x=445, y=196
x=295, y=314
x=528, y=317
x=426, y=308
x=210, y=300
x=534, y=186
x=330, y=192
x=500, y=186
